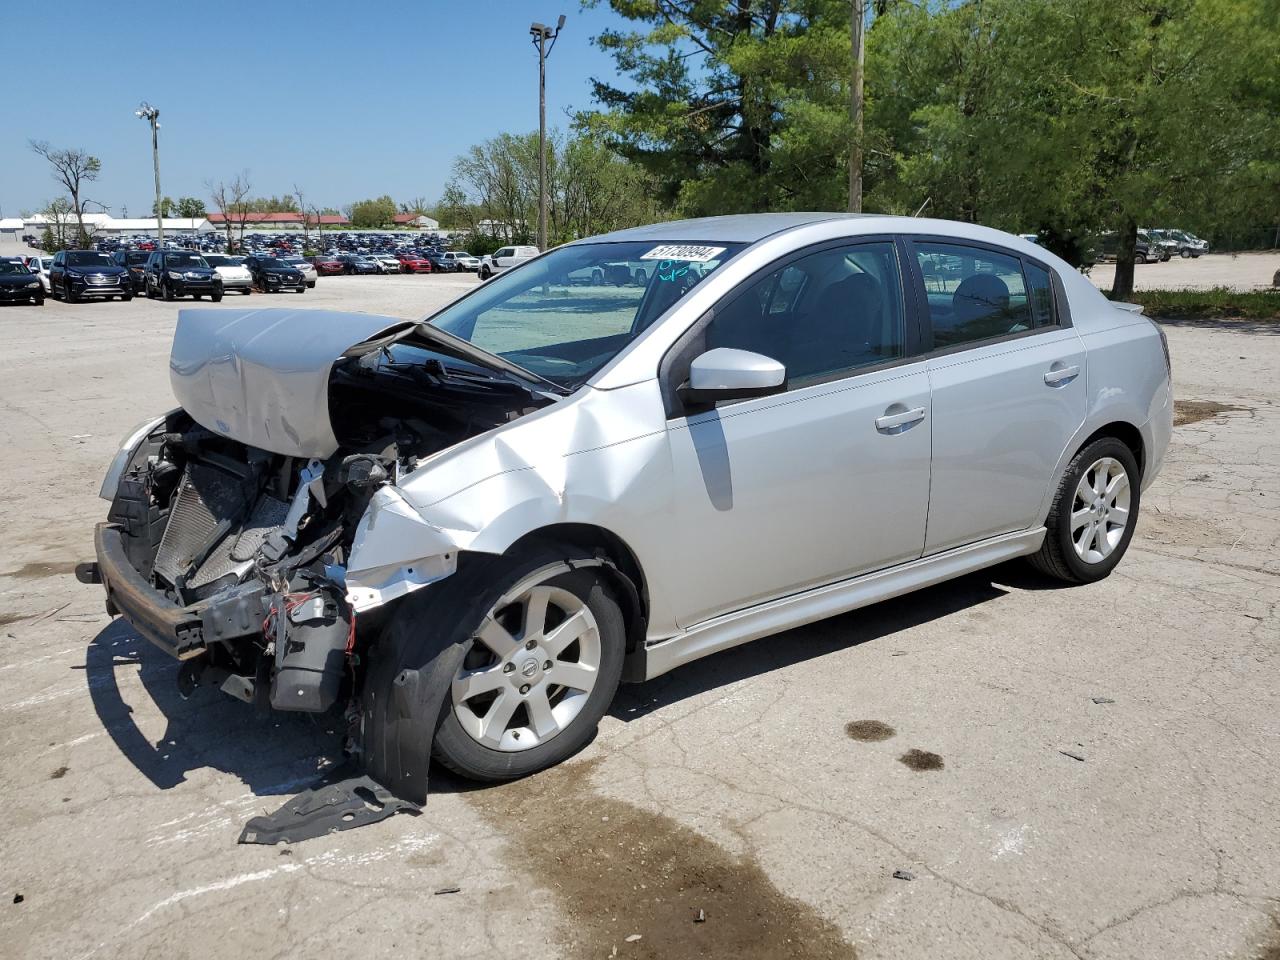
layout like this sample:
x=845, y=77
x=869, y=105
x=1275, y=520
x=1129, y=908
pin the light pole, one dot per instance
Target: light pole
x=541, y=34
x=146, y=111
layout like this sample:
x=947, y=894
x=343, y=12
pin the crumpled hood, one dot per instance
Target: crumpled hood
x=262, y=376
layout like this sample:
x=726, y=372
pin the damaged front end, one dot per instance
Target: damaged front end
x=256, y=533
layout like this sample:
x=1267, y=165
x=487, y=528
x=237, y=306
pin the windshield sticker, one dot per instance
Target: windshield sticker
x=686, y=252
x=671, y=269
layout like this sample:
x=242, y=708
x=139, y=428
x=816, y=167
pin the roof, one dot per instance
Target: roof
x=736, y=228
x=12, y=223
x=149, y=223
x=289, y=217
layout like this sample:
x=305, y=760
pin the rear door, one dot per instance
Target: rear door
x=1007, y=374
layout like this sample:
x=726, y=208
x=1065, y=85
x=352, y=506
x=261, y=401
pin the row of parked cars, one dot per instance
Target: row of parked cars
x=75, y=275
x=1155, y=246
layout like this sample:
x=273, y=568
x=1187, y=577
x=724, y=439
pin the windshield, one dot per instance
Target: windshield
x=271, y=262
x=184, y=260
x=86, y=259
x=217, y=261
x=567, y=314
x=9, y=267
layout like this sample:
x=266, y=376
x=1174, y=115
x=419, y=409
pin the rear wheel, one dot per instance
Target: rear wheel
x=1094, y=512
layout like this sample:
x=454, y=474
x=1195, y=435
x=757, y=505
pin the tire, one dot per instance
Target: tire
x=38, y=301
x=69, y=294
x=127, y=297
x=247, y=291
x=311, y=285
x=166, y=292
x=197, y=296
x=458, y=606
x=597, y=278
x=484, y=273
x=1184, y=253
x=215, y=297
x=1060, y=556
x=302, y=289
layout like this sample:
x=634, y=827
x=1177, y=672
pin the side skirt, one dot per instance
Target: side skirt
x=743, y=626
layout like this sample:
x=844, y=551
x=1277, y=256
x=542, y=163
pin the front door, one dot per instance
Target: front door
x=778, y=494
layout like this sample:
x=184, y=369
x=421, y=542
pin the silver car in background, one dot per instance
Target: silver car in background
x=235, y=275
x=471, y=528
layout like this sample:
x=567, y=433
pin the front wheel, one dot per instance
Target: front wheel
x=166, y=291
x=127, y=297
x=215, y=297
x=539, y=649
x=484, y=273
x=1185, y=254
x=1094, y=512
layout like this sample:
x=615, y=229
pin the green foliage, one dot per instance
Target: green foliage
x=1061, y=117
x=590, y=189
x=190, y=207
x=371, y=214
x=285, y=204
x=1219, y=303
x=731, y=107
x=165, y=207
x=483, y=244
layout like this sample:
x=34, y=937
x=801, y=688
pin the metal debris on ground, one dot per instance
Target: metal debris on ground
x=903, y=875
x=633, y=938
x=18, y=898
x=332, y=805
x=701, y=917
x=1102, y=700
x=1072, y=755
x=444, y=890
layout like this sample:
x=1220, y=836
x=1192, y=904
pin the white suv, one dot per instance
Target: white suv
x=505, y=259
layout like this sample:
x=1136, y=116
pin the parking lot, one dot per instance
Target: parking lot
x=1087, y=772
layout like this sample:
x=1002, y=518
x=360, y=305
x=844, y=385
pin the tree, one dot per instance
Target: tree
x=370, y=214
x=232, y=201
x=166, y=207
x=418, y=206
x=190, y=207
x=731, y=106
x=58, y=215
x=302, y=208
x=1101, y=134
x=72, y=168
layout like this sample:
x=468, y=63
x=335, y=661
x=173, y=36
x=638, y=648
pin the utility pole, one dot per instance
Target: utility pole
x=857, y=18
x=541, y=34
x=146, y=111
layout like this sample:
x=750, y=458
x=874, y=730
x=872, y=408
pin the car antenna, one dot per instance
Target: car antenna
x=927, y=201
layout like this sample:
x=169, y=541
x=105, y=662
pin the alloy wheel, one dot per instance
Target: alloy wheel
x=534, y=661
x=1100, y=510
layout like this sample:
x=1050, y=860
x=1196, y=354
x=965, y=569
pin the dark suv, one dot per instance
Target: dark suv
x=171, y=274
x=272, y=275
x=135, y=262
x=76, y=274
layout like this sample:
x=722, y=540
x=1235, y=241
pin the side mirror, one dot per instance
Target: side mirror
x=729, y=374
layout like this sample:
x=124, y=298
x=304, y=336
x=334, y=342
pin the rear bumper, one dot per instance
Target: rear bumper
x=177, y=630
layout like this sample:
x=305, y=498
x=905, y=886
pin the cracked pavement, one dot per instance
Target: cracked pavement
x=124, y=801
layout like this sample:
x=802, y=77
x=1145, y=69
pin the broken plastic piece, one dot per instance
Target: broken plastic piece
x=330, y=806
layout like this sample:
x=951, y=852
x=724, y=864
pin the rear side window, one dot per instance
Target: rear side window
x=973, y=294
x=1040, y=293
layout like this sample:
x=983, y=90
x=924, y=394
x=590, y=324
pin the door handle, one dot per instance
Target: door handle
x=892, y=420
x=1055, y=376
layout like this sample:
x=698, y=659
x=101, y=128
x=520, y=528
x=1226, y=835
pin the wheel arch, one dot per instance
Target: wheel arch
x=619, y=561
x=1128, y=434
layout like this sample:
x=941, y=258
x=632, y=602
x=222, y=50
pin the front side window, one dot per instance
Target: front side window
x=973, y=294
x=824, y=315
x=565, y=315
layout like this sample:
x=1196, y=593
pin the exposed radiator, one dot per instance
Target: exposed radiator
x=206, y=497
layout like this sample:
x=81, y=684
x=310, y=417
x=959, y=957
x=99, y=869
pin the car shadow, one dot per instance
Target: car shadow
x=876, y=623
x=273, y=754
x=277, y=754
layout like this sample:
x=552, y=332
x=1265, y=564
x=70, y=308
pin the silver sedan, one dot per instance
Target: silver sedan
x=547, y=488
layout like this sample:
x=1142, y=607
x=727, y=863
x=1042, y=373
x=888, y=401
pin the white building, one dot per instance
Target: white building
x=114, y=227
x=12, y=228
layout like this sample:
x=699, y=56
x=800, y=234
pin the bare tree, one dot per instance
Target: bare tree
x=232, y=201
x=302, y=205
x=72, y=168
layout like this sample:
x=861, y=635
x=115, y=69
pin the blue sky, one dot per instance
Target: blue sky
x=349, y=100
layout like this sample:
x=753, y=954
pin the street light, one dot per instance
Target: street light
x=541, y=34
x=146, y=111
